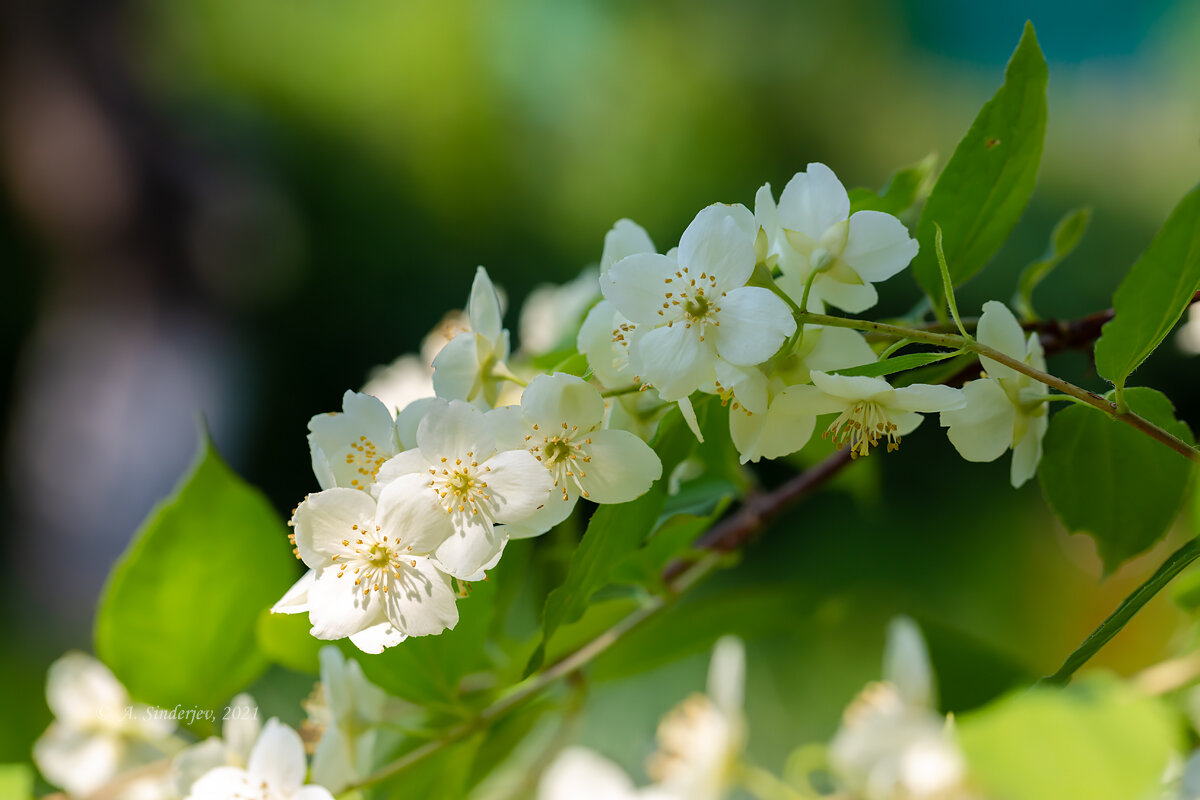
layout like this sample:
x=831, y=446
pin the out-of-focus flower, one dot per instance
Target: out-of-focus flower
x=1006, y=409
x=812, y=231
x=701, y=740
x=696, y=308
x=345, y=710
x=1188, y=337
x=469, y=366
x=98, y=732
x=579, y=774
x=892, y=744
x=472, y=483
x=406, y=379
x=552, y=312
x=275, y=771
x=231, y=749
x=560, y=423
x=371, y=577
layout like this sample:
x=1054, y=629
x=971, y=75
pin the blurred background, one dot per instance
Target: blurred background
x=231, y=210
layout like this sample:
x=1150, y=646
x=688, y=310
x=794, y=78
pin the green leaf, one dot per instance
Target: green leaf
x=889, y=366
x=615, y=531
x=16, y=782
x=1154, y=294
x=904, y=189
x=1096, y=739
x=1111, y=481
x=986, y=184
x=1063, y=241
x=285, y=640
x=576, y=364
x=177, y=621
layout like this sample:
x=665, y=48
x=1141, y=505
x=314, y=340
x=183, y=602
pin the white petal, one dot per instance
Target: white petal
x=798, y=402
x=766, y=213
x=545, y=518
x=483, y=307
x=595, y=341
x=364, y=421
x=406, y=463
x=926, y=398
x=312, y=793
x=754, y=323
x=469, y=549
x=999, y=329
x=508, y=426
x=983, y=428
x=1028, y=452
x=454, y=430
x=851, y=387
x=325, y=518
x=906, y=663
x=517, y=485
x=622, y=467
x=79, y=689
x=223, y=783
x=242, y=732
x=637, y=286
x=813, y=201
x=685, y=409
x=552, y=400
x=409, y=419
x=906, y=421
x=410, y=512
x=579, y=774
x=278, y=758
x=625, y=239
x=675, y=361
x=719, y=242
x=458, y=368
x=748, y=384
x=785, y=428
x=727, y=676
x=421, y=601
x=338, y=608
x=879, y=246
x=295, y=599
x=76, y=761
x=192, y=763
x=836, y=348
x=852, y=298
x=374, y=640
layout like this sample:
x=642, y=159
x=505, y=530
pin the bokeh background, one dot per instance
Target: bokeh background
x=234, y=209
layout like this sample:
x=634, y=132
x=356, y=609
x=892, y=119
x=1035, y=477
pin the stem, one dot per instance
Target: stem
x=808, y=282
x=1130, y=606
x=501, y=371
x=956, y=342
x=618, y=392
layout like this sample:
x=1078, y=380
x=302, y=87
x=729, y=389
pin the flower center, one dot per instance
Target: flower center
x=562, y=453
x=365, y=459
x=691, y=300
x=863, y=425
x=461, y=486
x=371, y=558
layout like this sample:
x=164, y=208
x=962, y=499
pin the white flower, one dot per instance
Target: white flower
x=371, y=577
x=701, y=740
x=347, y=714
x=1007, y=408
x=406, y=379
x=892, y=744
x=232, y=748
x=812, y=230
x=560, y=422
x=694, y=310
x=786, y=424
x=552, y=312
x=579, y=774
x=870, y=410
x=349, y=447
x=467, y=367
x=472, y=485
x=97, y=731
x=275, y=771
x=625, y=238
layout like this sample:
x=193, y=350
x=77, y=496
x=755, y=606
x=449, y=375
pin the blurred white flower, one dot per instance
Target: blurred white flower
x=870, y=410
x=1006, y=409
x=346, y=711
x=696, y=308
x=1188, y=337
x=552, y=312
x=701, y=740
x=812, y=230
x=371, y=577
x=468, y=367
x=579, y=774
x=560, y=423
x=892, y=744
x=98, y=732
x=232, y=748
x=406, y=379
x=472, y=483
x=275, y=771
